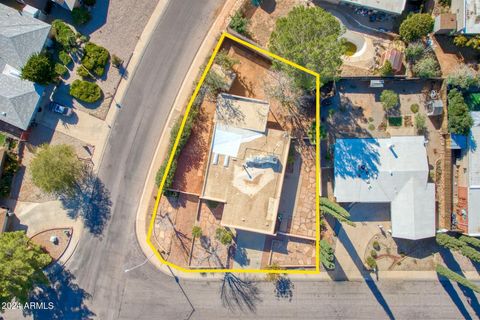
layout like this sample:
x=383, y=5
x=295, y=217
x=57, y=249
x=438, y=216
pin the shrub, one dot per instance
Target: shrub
x=39, y=68
x=95, y=58
x=225, y=61
x=470, y=240
x=427, y=67
x=60, y=69
x=371, y=263
x=10, y=167
x=85, y=91
x=63, y=34
x=386, y=70
x=459, y=119
x=80, y=15
x=371, y=127
x=376, y=245
x=463, y=77
x=82, y=72
x=239, y=23
x=453, y=243
x=197, y=232
x=414, y=107
x=389, y=99
x=170, y=176
x=460, y=41
x=224, y=236
x=214, y=84
x=116, y=61
x=420, y=122
x=327, y=256
x=64, y=57
x=374, y=254
x=395, y=121
x=416, y=26
x=414, y=51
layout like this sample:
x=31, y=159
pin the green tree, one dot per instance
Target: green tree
x=80, y=15
x=197, y=232
x=386, y=70
x=40, y=69
x=56, y=168
x=336, y=211
x=427, y=67
x=414, y=51
x=310, y=37
x=389, y=99
x=64, y=57
x=63, y=34
x=21, y=264
x=459, y=119
x=453, y=276
x=224, y=236
x=463, y=77
x=470, y=240
x=239, y=23
x=95, y=58
x=85, y=91
x=116, y=61
x=420, y=122
x=455, y=244
x=416, y=26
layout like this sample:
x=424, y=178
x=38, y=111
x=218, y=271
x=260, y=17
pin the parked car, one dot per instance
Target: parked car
x=60, y=109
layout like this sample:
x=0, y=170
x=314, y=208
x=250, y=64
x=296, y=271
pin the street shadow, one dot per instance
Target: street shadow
x=284, y=288
x=369, y=281
x=238, y=294
x=89, y=200
x=453, y=265
x=63, y=299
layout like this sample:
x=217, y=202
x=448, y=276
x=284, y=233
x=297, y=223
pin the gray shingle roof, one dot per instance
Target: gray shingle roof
x=20, y=37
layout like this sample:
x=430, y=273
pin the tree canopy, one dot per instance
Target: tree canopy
x=416, y=26
x=389, y=99
x=21, y=264
x=310, y=37
x=459, y=119
x=56, y=168
x=463, y=77
x=39, y=69
x=427, y=67
x=336, y=211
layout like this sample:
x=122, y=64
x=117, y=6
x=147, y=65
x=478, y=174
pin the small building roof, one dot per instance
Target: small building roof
x=468, y=15
x=241, y=112
x=396, y=6
x=445, y=22
x=396, y=59
x=393, y=170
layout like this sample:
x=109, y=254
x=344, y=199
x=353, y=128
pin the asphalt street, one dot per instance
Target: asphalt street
x=99, y=288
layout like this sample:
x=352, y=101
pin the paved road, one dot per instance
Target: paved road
x=99, y=287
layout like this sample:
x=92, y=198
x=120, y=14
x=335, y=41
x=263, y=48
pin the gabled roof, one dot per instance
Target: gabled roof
x=20, y=37
x=393, y=170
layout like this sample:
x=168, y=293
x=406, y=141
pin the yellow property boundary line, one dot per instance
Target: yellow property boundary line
x=317, y=165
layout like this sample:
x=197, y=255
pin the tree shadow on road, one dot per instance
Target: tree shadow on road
x=239, y=294
x=63, y=299
x=89, y=200
x=284, y=288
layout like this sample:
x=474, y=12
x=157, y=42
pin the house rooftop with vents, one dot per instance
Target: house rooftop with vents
x=467, y=15
x=20, y=37
x=246, y=164
x=389, y=6
x=393, y=170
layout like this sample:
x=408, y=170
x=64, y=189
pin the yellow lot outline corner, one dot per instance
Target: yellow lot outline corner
x=317, y=165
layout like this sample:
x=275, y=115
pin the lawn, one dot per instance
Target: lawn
x=3, y=138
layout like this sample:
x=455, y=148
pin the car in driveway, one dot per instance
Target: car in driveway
x=60, y=109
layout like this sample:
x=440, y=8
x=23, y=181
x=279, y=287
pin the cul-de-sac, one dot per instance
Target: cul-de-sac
x=257, y=159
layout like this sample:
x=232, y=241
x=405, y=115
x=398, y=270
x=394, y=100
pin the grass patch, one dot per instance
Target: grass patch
x=10, y=167
x=3, y=139
x=350, y=49
x=395, y=121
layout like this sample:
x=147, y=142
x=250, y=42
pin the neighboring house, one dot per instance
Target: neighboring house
x=393, y=170
x=20, y=37
x=68, y=4
x=394, y=7
x=466, y=217
x=246, y=165
x=464, y=18
x=395, y=57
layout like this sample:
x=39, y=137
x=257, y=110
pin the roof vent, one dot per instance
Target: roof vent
x=4, y=113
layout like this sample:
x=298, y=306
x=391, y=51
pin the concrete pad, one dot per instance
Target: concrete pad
x=352, y=241
x=248, y=254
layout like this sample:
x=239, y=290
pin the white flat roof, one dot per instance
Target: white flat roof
x=392, y=6
x=472, y=16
